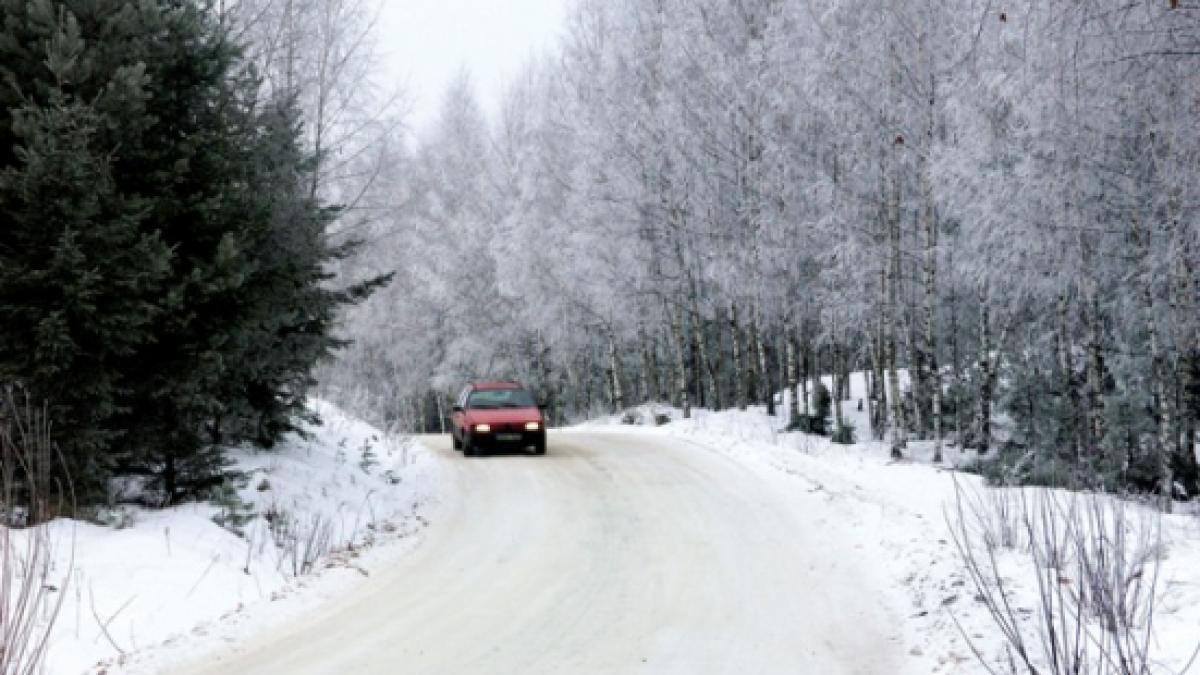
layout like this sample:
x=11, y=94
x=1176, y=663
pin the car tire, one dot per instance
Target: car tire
x=455, y=442
x=467, y=448
x=539, y=448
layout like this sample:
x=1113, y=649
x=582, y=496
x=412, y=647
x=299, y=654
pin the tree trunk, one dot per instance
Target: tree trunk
x=793, y=377
x=985, y=374
x=956, y=366
x=1095, y=358
x=780, y=365
x=703, y=397
x=586, y=381
x=931, y=380
x=575, y=387
x=617, y=393
x=1181, y=298
x=839, y=419
x=869, y=394
x=989, y=366
x=289, y=75
x=805, y=373
x=545, y=385
x=1187, y=337
x=708, y=373
x=681, y=376
x=892, y=257
x=648, y=380
x=739, y=369
x=760, y=353
x=844, y=365
x=1066, y=367
x=876, y=391
x=916, y=374
x=899, y=429
x=750, y=360
x=880, y=354
x=899, y=423
x=1158, y=373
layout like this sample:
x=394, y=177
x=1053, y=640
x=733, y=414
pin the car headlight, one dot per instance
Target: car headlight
x=532, y=426
x=483, y=428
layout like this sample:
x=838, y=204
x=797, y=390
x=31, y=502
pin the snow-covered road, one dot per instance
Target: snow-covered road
x=615, y=553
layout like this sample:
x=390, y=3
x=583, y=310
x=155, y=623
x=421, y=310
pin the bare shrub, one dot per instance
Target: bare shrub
x=312, y=541
x=1096, y=564
x=302, y=542
x=996, y=517
x=32, y=590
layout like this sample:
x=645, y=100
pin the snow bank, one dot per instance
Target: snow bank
x=902, y=510
x=158, y=586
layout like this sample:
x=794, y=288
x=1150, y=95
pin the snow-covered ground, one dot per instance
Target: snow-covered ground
x=163, y=587
x=155, y=587
x=905, y=508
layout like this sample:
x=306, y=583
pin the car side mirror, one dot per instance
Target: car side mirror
x=457, y=409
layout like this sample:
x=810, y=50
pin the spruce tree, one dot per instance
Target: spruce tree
x=162, y=268
x=288, y=304
x=79, y=275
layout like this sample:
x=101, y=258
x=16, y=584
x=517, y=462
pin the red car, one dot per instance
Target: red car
x=495, y=416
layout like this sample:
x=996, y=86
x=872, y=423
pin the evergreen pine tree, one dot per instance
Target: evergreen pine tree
x=287, y=306
x=78, y=273
x=163, y=277
x=818, y=421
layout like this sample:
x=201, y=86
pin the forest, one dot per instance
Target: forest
x=988, y=207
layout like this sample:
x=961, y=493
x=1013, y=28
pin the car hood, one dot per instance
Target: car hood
x=504, y=416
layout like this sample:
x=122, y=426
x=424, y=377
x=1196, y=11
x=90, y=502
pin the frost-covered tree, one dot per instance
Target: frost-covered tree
x=987, y=209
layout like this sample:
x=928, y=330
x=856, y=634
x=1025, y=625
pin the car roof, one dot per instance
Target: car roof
x=492, y=386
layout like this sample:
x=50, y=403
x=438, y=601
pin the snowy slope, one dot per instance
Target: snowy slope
x=902, y=509
x=157, y=586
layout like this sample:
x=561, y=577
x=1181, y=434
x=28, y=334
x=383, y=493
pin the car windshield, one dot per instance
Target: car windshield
x=501, y=398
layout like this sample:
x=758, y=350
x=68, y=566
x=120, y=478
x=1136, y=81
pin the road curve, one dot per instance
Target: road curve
x=614, y=553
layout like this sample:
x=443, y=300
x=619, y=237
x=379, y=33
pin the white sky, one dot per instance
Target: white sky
x=426, y=42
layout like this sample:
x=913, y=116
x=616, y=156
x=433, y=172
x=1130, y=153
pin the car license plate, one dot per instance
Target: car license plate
x=508, y=437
